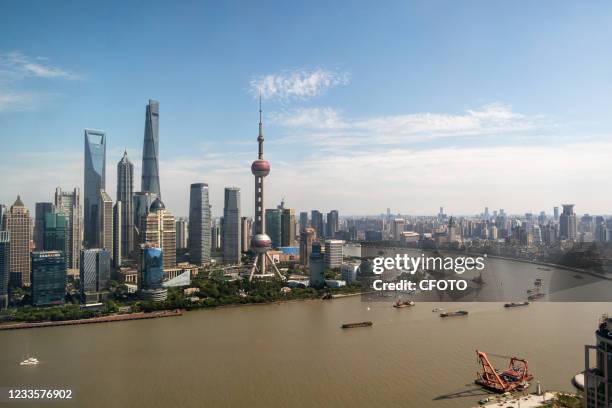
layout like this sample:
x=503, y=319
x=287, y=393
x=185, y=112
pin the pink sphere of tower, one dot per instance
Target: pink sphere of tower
x=260, y=243
x=260, y=168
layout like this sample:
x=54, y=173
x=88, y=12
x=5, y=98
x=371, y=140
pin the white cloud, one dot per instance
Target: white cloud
x=328, y=127
x=299, y=84
x=16, y=65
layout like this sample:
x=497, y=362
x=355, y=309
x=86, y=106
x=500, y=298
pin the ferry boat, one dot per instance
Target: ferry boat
x=359, y=324
x=516, y=304
x=30, y=361
x=437, y=309
x=403, y=303
x=457, y=313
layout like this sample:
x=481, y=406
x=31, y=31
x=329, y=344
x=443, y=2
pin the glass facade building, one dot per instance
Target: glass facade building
x=95, y=271
x=150, y=150
x=199, y=224
x=55, y=232
x=232, y=250
x=125, y=191
x=41, y=210
x=5, y=241
x=94, y=182
x=273, y=226
x=152, y=275
x=48, y=278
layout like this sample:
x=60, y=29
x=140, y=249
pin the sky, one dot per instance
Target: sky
x=410, y=105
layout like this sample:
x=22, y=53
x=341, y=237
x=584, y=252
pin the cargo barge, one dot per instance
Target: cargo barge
x=353, y=325
x=403, y=303
x=516, y=304
x=451, y=314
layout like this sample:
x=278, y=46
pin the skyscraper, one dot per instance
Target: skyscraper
x=125, y=191
x=69, y=204
x=2, y=214
x=316, y=222
x=261, y=242
x=232, y=250
x=5, y=242
x=316, y=266
x=55, y=233
x=94, y=273
x=150, y=150
x=567, y=223
x=556, y=213
x=18, y=223
x=151, y=274
x=303, y=220
x=199, y=224
x=94, y=182
x=106, y=223
x=333, y=253
x=273, y=226
x=333, y=223
x=48, y=278
x=182, y=233
x=39, y=222
x=288, y=227
x=159, y=231
x=141, y=202
x=246, y=230
x=117, y=242
x=307, y=237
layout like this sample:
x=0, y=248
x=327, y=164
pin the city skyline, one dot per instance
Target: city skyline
x=431, y=120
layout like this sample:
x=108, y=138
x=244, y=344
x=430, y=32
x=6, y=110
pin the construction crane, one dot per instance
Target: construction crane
x=515, y=378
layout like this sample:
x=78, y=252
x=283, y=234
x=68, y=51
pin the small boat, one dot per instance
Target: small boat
x=30, y=361
x=359, y=324
x=451, y=314
x=437, y=309
x=403, y=303
x=516, y=304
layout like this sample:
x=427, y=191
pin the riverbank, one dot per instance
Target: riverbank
x=101, y=319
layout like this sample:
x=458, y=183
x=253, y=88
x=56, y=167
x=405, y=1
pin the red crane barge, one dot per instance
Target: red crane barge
x=515, y=378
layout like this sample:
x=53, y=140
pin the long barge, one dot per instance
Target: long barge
x=359, y=324
x=452, y=314
x=101, y=319
x=516, y=304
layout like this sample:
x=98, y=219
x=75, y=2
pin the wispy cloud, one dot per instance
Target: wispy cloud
x=328, y=127
x=298, y=84
x=16, y=65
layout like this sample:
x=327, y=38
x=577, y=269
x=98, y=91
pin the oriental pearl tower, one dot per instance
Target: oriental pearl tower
x=261, y=242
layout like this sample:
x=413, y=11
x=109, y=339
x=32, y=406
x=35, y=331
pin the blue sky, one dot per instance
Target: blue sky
x=408, y=105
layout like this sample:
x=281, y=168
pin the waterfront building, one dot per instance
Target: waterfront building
x=333, y=253
x=273, y=226
x=246, y=233
x=151, y=274
x=150, y=150
x=199, y=224
x=598, y=377
x=94, y=273
x=55, y=233
x=17, y=222
x=316, y=267
x=397, y=228
x=288, y=224
x=39, y=223
x=182, y=233
x=105, y=223
x=141, y=202
x=316, y=222
x=125, y=191
x=94, y=182
x=48, y=278
x=303, y=220
x=333, y=224
x=567, y=223
x=307, y=238
x=69, y=204
x=5, y=253
x=349, y=272
x=159, y=231
x=232, y=252
x=117, y=238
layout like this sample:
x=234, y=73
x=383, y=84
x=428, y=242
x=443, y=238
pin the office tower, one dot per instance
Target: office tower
x=232, y=251
x=246, y=229
x=303, y=220
x=261, y=242
x=141, y=202
x=215, y=233
x=150, y=150
x=17, y=222
x=39, y=222
x=199, y=224
x=567, y=223
x=117, y=241
x=2, y=214
x=48, y=278
x=397, y=228
x=273, y=226
x=152, y=274
x=601, y=232
x=556, y=213
x=55, y=233
x=125, y=191
x=69, y=204
x=94, y=273
x=486, y=213
x=333, y=224
x=159, y=231
x=316, y=266
x=307, y=238
x=288, y=227
x=333, y=253
x=5, y=253
x=94, y=182
x=182, y=233
x=598, y=377
x=105, y=223
x=316, y=222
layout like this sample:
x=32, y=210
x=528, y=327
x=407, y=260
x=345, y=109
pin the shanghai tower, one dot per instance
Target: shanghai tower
x=150, y=150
